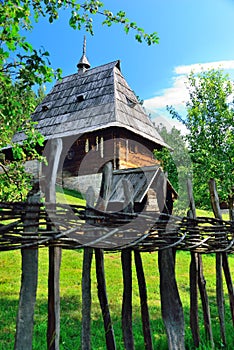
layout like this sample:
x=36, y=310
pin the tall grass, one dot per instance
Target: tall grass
x=71, y=271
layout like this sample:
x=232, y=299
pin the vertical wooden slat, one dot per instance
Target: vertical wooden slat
x=53, y=329
x=205, y=302
x=104, y=195
x=193, y=279
x=228, y=277
x=27, y=299
x=144, y=305
x=193, y=276
x=53, y=153
x=86, y=281
x=86, y=299
x=102, y=295
x=171, y=306
x=126, y=259
x=219, y=278
x=198, y=265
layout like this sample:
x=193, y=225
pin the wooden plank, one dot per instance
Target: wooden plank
x=126, y=259
x=86, y=299
x=205, y=302
x=228, y=277
x=105, y=192
x=53, y=152
x=144, y=304
x=86, y=283
x=219, y=257
x=102, y=295
x=193, y=276
x=201, y=283
x=29, y=277
x=171, y=306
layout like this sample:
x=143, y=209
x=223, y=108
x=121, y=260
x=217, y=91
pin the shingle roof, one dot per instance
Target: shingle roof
x=95, y=99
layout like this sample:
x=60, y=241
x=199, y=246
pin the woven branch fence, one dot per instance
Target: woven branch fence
x=28, y=226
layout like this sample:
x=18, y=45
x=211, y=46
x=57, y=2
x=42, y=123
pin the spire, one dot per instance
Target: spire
x=83, y=63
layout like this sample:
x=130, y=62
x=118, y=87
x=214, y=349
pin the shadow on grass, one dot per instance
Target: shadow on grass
x=71, y=326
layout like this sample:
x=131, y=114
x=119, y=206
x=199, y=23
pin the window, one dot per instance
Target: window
x=102, y=147
x=86, y=145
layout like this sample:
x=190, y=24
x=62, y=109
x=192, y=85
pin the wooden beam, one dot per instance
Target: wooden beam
x=29, y=277
x=86, y=282
x=104, y=195
x=171, y=306
x=219, y=257
x=53, y=152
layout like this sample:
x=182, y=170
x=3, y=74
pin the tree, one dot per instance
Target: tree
x=22, y=67
x=210, y=122
x=176, y=163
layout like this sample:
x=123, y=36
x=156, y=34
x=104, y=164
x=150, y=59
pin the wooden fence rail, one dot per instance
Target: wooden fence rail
x=28, y=226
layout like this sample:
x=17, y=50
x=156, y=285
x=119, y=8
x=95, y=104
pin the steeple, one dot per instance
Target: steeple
x=83, y=63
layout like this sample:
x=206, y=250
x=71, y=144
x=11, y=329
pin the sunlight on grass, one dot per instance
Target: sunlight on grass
x=71, y=274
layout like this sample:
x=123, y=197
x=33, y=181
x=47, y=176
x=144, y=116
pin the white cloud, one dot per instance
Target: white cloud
x=199, y=67
x=177, y=94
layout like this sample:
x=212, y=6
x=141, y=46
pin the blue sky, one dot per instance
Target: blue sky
x=193, y=33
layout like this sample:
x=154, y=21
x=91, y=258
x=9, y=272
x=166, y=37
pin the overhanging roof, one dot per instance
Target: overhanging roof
x=87, y=101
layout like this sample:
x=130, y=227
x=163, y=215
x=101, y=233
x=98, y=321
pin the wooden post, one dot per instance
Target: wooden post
x=205, y=302
x=105, y=192
x=129, y=208
x=86, y=282
x=144, y=305
x=193, y=276
x=126, y=259
x=197, y=265
x=24, y=325
x=86, y=299
x=171, y=306
x=102, y=295
x=53, y=152
x=219, y=258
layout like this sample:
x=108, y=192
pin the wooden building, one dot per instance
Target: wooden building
x=99, y=119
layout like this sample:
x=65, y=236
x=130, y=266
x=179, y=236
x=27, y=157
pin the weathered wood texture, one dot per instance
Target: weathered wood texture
x=222, y=261
x=102, y=295
x=102, y=204
x=126, y=259
x=86, y=283
x=197, y=277
x=193, y=276
x=86, y=299
x=144, y=304
x=28, y=290
x=171, y=306
x=219, y=258
x=53, y=153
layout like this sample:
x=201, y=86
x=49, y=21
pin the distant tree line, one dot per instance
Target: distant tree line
x=210, y=138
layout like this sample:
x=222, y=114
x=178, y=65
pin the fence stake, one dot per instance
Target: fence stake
x=126, y=259
x=27, y=300
x=53, y=152
x=144, y=305
x=105, y=191
x=172, y=310
x=219, y=256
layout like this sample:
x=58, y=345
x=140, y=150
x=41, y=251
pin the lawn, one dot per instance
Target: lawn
x=71, y=272
x=71, y=300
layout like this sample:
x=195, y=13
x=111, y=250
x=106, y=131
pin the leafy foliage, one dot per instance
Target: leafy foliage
x=210, y=121
x=22, y=67
x=176, y=163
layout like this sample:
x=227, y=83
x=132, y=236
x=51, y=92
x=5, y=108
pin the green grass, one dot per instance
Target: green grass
x=64, y=195
x=71, y=270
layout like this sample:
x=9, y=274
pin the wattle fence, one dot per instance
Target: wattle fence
x=31, y=225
